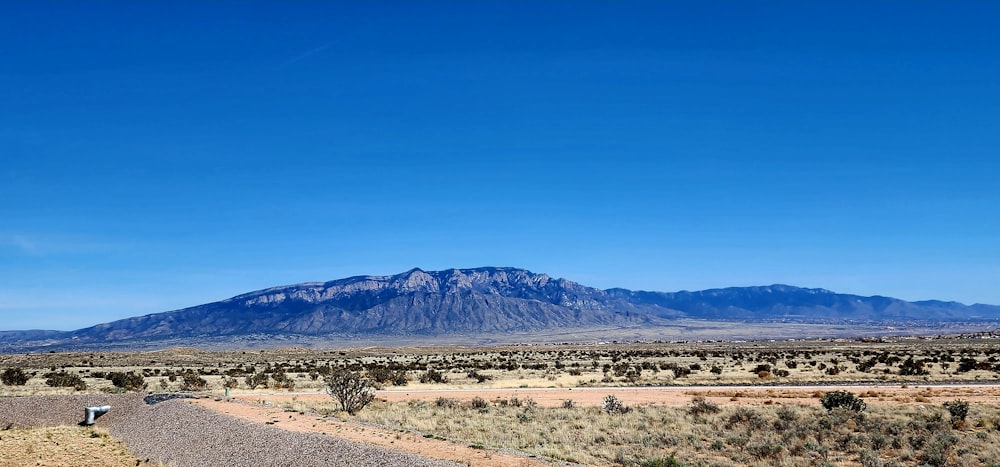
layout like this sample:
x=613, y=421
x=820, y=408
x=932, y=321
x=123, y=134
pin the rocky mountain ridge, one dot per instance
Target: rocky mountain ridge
x=490, y=301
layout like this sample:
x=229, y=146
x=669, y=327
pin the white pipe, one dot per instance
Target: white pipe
x=91, y=413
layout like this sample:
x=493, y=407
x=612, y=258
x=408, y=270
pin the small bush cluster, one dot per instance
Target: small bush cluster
x=14, y=377
x=282, y=380
x=350, y=389
x=479, y=403
x=517, y=402
x=613, y=405
x=128, y=381
x=433, y=376
x=700, y=406
x=62, y=379
x=193, y=382
x=746, y=417
x=479, y=377
x=447, y=403
x=383, y=375
x=256, y=380
x=842, y=399
x=958, y=409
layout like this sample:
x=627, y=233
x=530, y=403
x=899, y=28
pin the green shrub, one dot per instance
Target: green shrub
x=699, y=406
x=767, y=449
x=63, y=379
x=938, y=450
x=446, y=403
x=433, y=376
x=745, y=416
x=127, y=381
x=14, y=377
x=479, y=403
x=282, y=380
x=383, y=375
x=661, y=462
x=256, y=380
x=193, y=382
x=842, y=399
x=479, y=377
x=613, y=405
x=350, y=389
x=958, y=409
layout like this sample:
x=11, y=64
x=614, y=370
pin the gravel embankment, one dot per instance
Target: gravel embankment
x=180, y=434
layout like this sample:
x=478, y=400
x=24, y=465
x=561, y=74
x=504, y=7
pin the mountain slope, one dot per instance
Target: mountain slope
x=489, y=301
x=782, y=302
x=483, y=300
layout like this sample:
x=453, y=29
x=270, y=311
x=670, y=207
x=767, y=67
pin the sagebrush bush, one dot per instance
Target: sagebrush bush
x=745, y=416
x=478, y=403
x=842, y=399
x=384, y=375
x=193, y=382
x=479, y=377
x=14, y=377
x=958, y=409
x=613, y=405
x=700, y=406
x=433, y=376
x=63, y=379
x=350, y=389
x=661, y=462
x=447, y=403
x=256, y=380
x=127, y=381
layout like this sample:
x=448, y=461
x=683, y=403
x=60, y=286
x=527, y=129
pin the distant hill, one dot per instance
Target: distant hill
x=486, y=301
x=783, y=302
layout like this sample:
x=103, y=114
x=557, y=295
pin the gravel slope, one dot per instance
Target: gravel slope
x=179, y=434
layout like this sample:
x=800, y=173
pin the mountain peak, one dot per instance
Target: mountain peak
x=496, y=300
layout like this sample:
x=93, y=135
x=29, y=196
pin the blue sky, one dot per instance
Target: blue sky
x=158, y=155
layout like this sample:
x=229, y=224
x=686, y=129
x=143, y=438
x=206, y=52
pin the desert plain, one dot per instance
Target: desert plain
x=923, y=401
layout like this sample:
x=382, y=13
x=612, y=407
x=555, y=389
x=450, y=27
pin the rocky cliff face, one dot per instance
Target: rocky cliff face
x=491, y=301
x=483, y=300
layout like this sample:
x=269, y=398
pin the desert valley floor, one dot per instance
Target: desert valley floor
x=925, y=402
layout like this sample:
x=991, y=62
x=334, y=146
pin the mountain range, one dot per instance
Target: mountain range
x=488, y=301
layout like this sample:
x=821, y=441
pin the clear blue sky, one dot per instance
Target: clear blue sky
x=158, y=155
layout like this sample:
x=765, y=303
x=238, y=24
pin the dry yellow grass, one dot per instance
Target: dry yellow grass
x=544, y=366
x=770, y=434
x=647, y=434
x=63, y=446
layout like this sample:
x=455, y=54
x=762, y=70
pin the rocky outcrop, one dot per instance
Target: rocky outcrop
x=490, y=301
x=482, y=300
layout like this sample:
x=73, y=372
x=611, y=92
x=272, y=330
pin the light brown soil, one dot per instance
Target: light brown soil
x=61, y=446
x=395, y=440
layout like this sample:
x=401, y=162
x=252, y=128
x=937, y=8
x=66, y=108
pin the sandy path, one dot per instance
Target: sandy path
x=398, y=441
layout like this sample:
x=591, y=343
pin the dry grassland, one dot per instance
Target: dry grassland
x=913, y=361
x=699, y=433
x=62, y=446
x=761, y=422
